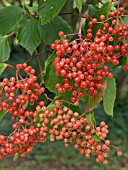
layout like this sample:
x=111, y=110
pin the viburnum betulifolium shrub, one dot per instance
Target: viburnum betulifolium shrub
x=79, y=68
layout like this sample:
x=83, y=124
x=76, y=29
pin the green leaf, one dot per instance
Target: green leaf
x=85, y=96
x=84, y=1
x=28, y=34
x=104, y=10
x=32, y=10
x=109, y=96
x=82, y=104
x=96, y=138
x=79, y=4
x=94, y=102
x=50, y=107
x=2, y=114
x=16, y=156
x=49, y=9
x=92, y=1
x=122, y=60
x=70, y=106
x=127, y=61
x=50, y=60
x=2, y=67
x=50, y=76
x=26, y=105
x=9, y=18
x=95, y=2
x=49, y=32
x=33, y=107
x=4, y=48
x=90, y=118
x=92, y=10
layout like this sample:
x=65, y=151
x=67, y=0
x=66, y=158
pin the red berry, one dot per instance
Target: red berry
x=102, y=17
x=119, y=153
x=87, y=16
x=61, y=33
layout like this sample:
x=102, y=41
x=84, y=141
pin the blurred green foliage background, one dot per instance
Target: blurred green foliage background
x=54, y=156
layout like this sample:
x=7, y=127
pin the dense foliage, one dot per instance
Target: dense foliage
x=79, y=69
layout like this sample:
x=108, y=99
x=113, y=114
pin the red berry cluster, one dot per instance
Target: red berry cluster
x=62, y=123
x=55, y=121
x=84, y=59
x=15, y=94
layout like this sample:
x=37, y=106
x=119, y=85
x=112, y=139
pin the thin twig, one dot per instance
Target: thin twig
x=22, y=4
x=38, y=60
x=101, y=2
x=32, y=58
x=12, y=33
x=27, y=12
x=71, y=34
x=80, y=27
x=48, y=97
x=66, y=13
x=9, y=65
x=84, y=4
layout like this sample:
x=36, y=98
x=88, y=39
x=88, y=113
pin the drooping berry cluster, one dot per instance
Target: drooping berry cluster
x=16, y=93
x=61, y=122
x=55, y=121
x=84, y=60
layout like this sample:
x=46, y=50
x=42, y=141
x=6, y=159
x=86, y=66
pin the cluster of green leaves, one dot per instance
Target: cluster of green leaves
x=31, y=26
